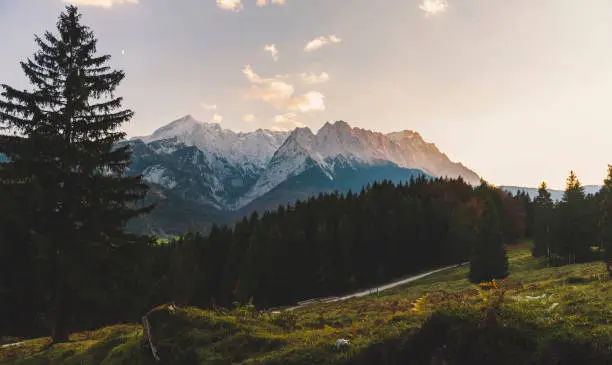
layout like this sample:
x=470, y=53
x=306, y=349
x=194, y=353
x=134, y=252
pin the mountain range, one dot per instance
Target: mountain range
x=201, y=173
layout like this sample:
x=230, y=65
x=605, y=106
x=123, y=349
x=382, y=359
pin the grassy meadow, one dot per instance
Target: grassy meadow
x=539, y=315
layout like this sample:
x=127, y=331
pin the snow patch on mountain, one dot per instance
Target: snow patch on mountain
x=291, y=159
x=158, y=175
x=167, y=146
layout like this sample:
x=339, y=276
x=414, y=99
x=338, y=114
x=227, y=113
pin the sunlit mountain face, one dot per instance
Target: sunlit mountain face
x=235, y=173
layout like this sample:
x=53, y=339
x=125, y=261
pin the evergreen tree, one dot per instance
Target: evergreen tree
x=529, y=207
x=461, y=234
x=605, y=223
x=488, y=259
x=573, y=223
x=542, y=222
x=65, y=183
x=513, y=215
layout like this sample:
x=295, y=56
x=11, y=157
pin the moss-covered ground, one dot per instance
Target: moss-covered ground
x=545, y=315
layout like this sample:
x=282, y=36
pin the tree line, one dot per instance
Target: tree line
x=335, y=243
x=67, y=263
x=578, y=228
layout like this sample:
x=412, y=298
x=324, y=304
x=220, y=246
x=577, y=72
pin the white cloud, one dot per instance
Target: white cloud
x=273, y=51
x=312, y=100
x=333, y=39
x=209, y=107
x=320, y=42
x=216, y=118
x=312, y=78
x=280, y=94
x=102, y=3
x=248, y=118
x=235, y=5
x=270, y=90
x=266, y=2
x=433, y=7
x=286, y=122
x=276, y=93
x=285, y=117
x=251, y=75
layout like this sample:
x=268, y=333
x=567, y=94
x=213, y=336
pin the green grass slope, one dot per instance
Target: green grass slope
x=544, y=316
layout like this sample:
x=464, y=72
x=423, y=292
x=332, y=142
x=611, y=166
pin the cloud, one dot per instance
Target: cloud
x=280, y=94
x=285, y=117
x=216, y=118
x=248, y=118
x=276, y=93
x=235, y=5
x=209, y=107
x=312, y=78
x=102, y=3
x=433, y=7
x=270, y=90
x=251, y=75
x=320, y=42
x=273, y=51
x=312, y=100
x=286, y=122
x=266, y=2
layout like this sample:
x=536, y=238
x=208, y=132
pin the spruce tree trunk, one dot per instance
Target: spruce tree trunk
x=59, y=330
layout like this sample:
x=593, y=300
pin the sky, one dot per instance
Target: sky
x=519, y=91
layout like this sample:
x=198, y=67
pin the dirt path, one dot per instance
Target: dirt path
x=373, y=290
x=12, y=345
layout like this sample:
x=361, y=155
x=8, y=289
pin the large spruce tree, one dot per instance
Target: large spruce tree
x=573, y=223
x=64, y=189
x=542, y=222
x=605, y=223
x=488, y=258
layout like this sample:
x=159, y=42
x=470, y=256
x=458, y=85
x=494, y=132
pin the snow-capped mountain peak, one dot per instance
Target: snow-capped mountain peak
x=406, y=136
x=300, y=135
x=339, y=142
x=180, y=127
x=229, y=170
x=251, y=151
x=429, y=158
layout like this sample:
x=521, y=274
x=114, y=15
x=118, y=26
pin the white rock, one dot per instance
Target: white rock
x=342, y=343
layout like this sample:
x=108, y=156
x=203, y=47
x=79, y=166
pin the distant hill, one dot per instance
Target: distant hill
x=556, y=195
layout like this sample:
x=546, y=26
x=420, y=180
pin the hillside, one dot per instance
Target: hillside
x=547, y=316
